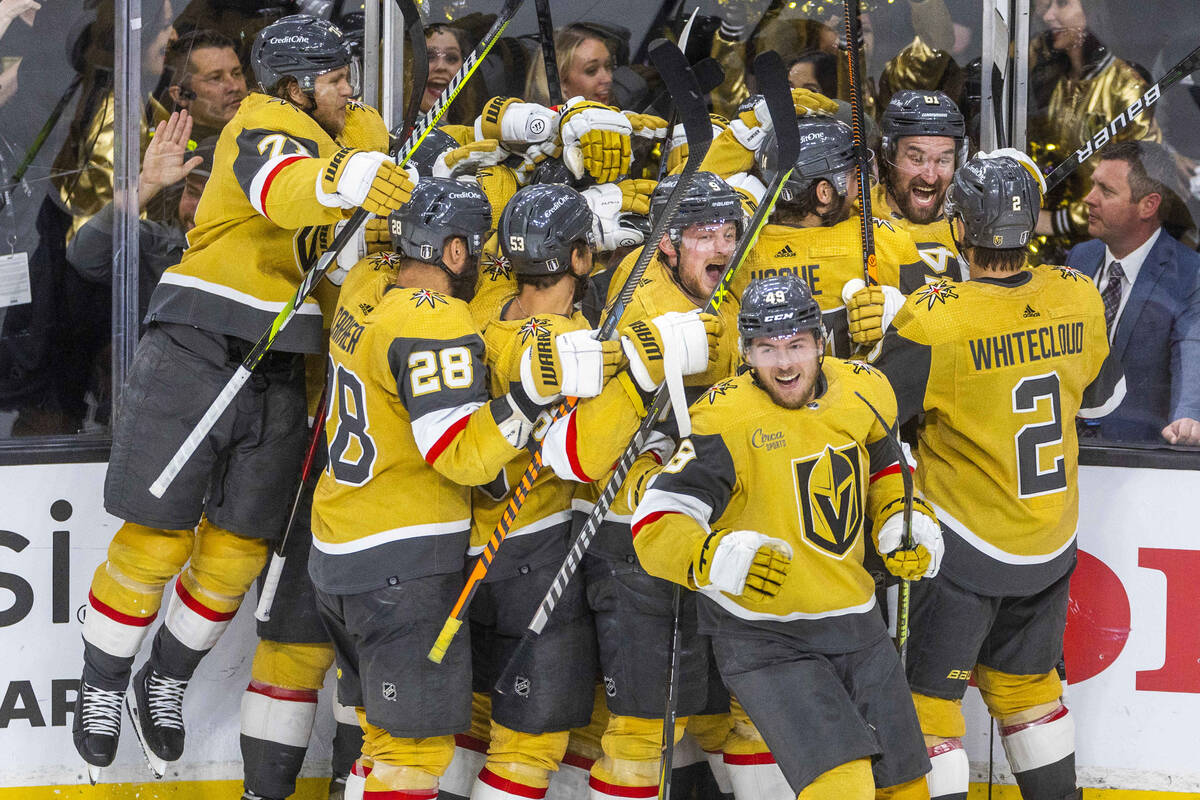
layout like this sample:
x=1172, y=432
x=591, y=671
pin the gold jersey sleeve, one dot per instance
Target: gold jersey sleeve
x=937, y=252
x=999, y=368
x=813, y=477
x=409, y=430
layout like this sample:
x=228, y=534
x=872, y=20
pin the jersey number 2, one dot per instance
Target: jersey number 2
x=1032, y=480
x=350, y=401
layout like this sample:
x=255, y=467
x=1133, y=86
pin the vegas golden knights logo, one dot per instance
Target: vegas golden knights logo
x=829, y=495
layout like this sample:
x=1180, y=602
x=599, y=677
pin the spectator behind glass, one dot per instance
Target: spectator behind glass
x=10, y=11
x=205, y=79
x=446, y=46
x=1077, y=85
x=585, y=67
x=1152, y=301
x=814, y=70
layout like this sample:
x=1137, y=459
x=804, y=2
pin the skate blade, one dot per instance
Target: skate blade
x=94, y=773
x=157, y=765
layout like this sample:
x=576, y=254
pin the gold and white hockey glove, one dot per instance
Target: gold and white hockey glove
x=595, y=139
x=354, y=251
x=870, y=309
x=753, y=122
x=467, y=160
x=571, y=364
x=646, y=126
x=680, y=343
x=364, y=178
x=925, y=557
x=514, y=122
x=744, y=563
x=378, y=235
x=612, y=205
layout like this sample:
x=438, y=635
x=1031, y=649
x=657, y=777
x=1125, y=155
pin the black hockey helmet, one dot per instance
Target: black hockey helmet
x=440, y=209
x=539, y=227
x=436, y=142
x=826, y=153
x=300, y=46
x=706, y=200
x=913, y=112
x=997, y=196
x=781, y=305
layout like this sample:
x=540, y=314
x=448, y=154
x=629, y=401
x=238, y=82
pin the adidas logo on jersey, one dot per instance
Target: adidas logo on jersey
x=786, y=252
x=1030, y=312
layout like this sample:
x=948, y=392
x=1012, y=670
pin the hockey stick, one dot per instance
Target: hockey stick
x=905, y=594
x=773, y=81
x=670, y=62
x=853, y=37
x=414, y=31
x=549, y=55
x=668, y=748
x=1174, y=75
x=266, y=596
x=309, y=282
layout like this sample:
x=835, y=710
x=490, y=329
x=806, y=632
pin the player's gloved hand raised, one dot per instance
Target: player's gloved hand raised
x=595, y=140
x=870, y=309
x=469, y=159
x=514, y=122
x=351, y=253
x=753, y=121
x=612, y=206
x=925, y=558
x=750, y=188
x=572, y=364
x=364, y=178
x=746, y=563
x=646, y=126
x=683, y=342
x=677, y=147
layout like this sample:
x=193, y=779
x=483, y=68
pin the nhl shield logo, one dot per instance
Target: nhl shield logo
x=829, y=496
x=521, y=686
x=389, y=691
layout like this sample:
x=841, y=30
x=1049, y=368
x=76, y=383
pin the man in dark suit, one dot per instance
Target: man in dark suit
x=1151, y=289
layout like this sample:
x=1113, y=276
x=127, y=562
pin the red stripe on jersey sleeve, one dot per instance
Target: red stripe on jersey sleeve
x=262, y=196
x=573, y=452
x=894, y=469
x=653, y=516
x=446, y=438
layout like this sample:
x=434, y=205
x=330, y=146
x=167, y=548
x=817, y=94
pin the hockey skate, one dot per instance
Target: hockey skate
x=96, y=727
x=155, y=706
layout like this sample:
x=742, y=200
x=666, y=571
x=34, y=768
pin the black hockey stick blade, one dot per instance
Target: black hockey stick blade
x=773, y=82
x=858, y=125
x=1174, y=75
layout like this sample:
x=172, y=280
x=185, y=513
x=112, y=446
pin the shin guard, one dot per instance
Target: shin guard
x=949, y=775
x=1041, y=754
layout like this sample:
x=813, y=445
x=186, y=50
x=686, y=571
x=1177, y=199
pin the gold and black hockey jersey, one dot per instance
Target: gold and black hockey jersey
x=409, y=431
x=933, y=240
x=255, y=221
x=825, y=259
x=1000, y=368
x=812, y=476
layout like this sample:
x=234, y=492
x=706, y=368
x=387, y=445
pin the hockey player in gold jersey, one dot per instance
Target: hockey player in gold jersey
x=300, y=154
x=1000, y=366
x=545, y=236
x=632, y=610
x=764, y=511
x=410, y=429
x=815, y=236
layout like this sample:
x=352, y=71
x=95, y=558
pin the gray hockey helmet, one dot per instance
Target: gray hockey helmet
x=539, y=227
x=826, y=153
x=912, y=112
x=436, y=142
x=300, y=46
x=707, y=199
x=997, y=197
x=440, y=209
x=781, y=305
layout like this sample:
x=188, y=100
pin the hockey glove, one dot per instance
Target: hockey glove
x=574, y=364
x=469, y=159
x=646, y=126
x=511, y=121
x=354, y=251
x=677, y=148
x=595, y=140
x=745, y=563
x=753, y=121
x=613, y=205
x=378, y=235
x=364, y=178
x=925, y=557
x=870, y=309
x=681, y=343
x=750, y=188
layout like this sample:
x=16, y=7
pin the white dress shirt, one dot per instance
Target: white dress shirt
x=1131, y=265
